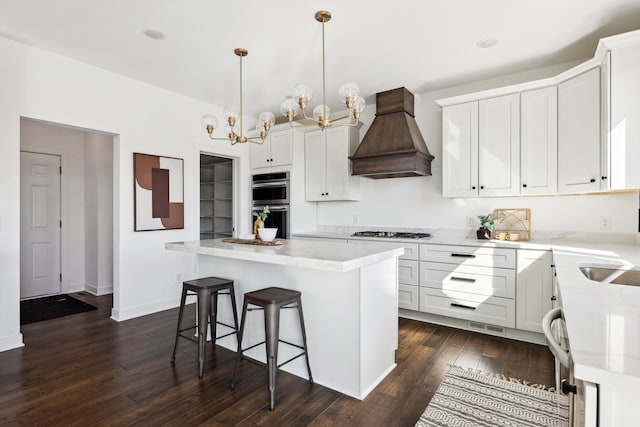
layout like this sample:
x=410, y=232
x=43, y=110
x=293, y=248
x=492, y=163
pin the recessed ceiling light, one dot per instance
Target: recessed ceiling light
x=485, y=43
x=153, y=34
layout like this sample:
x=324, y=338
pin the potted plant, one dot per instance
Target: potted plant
x=486, y=225
x=261, y=217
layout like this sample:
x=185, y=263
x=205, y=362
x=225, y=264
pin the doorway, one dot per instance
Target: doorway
x=40, y=235
x=85, y=200
x=216, y=197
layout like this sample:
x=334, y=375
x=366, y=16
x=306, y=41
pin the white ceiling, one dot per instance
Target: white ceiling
x=420, y=44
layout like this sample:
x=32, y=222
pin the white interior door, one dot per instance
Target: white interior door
x=40, y=223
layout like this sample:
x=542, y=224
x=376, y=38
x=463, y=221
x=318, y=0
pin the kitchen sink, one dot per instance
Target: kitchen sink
x=612, y=275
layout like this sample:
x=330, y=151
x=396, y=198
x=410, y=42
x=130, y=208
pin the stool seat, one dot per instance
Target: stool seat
x=272, y=295
x=271, y=300
x=206, y=289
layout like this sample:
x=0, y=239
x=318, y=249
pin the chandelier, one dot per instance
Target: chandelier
x=233, y=116
x=302, y=94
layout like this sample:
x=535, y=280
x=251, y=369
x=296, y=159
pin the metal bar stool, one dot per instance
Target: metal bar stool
x=206, y=289
x=271, y=300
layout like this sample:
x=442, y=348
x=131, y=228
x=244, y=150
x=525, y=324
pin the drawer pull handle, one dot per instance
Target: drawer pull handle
x=463, y=255
x=453, y=304
x=462, y=279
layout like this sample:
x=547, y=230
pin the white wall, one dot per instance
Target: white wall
x=418, y=201
x=44, y=86
x=98, y=210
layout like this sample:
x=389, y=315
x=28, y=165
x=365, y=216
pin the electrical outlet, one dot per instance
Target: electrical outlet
x=178, y=278
x=469, y=221
x=605, y=223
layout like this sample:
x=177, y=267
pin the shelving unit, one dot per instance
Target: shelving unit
x=216, y=197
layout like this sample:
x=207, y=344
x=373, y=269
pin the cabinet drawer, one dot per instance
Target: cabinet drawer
x=498, y=282
x=408, y=297
x=469, y=255
x=463, y=305
x=408, y=272
x=410, y=251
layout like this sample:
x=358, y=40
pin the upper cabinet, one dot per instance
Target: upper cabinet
x=481, y=151
x=276, y=150
x=327, y=165
x=624, y=120
x=579, y=133
x=538, y=141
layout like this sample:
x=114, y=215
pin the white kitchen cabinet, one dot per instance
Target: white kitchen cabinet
x=276, y=150
x=624, y=125
x=534, y=288
x=408, y=278
x=539, y=141
x=327, y=165
x=579, y=133
x=499, y=282
x=460, y=150
x=481, y=148
x=469, y=255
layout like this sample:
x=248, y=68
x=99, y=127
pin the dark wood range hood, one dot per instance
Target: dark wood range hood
x=393, y=146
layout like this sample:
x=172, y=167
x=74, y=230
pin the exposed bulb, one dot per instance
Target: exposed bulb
x=289, y=105
x=267, y=117
x=359, y=105
x=209, y=120
x=228, y=130
x=302, y=91
x=349, y=90
x=230, y=111
x=321, y=112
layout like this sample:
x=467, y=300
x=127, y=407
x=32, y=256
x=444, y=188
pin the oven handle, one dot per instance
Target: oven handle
x=277, y=208
x=554, y=346
x=270, y=184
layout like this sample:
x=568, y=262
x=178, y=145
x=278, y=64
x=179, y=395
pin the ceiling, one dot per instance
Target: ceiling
x=420, y=44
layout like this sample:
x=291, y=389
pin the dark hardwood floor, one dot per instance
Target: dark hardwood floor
x=86, y=369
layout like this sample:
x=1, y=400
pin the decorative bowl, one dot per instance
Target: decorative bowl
x=267, y=234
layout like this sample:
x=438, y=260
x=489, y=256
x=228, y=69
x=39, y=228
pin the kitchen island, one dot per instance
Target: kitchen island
x=349, y=297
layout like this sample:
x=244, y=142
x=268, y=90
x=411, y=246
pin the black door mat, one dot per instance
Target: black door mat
x=51, y=307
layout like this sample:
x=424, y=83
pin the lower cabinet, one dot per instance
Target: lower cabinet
x=534, y=286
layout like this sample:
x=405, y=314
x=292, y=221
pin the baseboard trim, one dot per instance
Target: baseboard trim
x=120, y=315
x=11, y=342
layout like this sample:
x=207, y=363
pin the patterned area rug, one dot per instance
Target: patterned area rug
x=467, y=398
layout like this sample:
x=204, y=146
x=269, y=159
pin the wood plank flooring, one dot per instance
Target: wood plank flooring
x=86, y=369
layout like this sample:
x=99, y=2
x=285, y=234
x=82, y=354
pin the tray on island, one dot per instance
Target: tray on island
x=252, y=242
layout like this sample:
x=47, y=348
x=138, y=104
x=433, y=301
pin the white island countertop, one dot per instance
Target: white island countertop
x=299, y=253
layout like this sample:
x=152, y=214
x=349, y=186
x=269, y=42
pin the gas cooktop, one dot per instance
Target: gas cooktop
x=391, y=234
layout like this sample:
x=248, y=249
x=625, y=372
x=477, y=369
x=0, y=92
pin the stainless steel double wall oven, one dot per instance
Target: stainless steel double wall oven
x=272, y=189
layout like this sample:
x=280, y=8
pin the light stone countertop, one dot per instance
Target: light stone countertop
x=603, y=320
x=333, y=256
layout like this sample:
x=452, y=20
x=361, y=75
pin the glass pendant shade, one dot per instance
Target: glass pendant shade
x=289, y=105
x=230, y=111
x=348, y=90
x=267, y=117
x=228, y=130
x=359, y=105
x=302, y=91
x=321, y=112
x=209, y=120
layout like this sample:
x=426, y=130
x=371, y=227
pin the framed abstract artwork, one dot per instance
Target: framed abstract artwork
x=158, y=191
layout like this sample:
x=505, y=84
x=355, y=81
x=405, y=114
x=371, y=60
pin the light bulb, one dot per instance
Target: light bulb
x=359, y=105
x=267, y=117
x=302, y=91
x=321, y=112
x=289, y=105
x=349, y=90
x=230, y=111
x=228, y=130
x=209, y=120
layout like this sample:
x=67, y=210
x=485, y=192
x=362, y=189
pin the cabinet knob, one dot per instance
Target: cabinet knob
x=592, y=180
x=473, y=188
x=603, y=178
x=553, y=298
x=482, y=187
x=524, y=185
